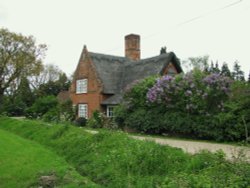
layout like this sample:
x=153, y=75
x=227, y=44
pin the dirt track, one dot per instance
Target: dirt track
x=231, y=151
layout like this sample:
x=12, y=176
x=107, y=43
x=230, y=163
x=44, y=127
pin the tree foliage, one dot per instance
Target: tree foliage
x=26, y=85
x=49, y=73
x=53, y=87
x=24, y=92
x=48, y=108
x=20, y=56
x=237, y=73
x=200, y=63
x=249, y=77
x=41, y=106
x=225, y=70
x=22, y=98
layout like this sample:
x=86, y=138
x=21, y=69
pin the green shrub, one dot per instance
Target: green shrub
x=99, y=120
x=96, y=121
x=234, y=121
x=120, y=115
x=52, y=115
x=197, y=105
x=67, y=111
x=49, y=109
x=81, y=122
x=41, y=107
x=13, y=106
x=134, y=102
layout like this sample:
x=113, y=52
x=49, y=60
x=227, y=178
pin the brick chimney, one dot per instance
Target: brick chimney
x=132, y=47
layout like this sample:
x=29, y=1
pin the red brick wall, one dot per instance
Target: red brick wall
x=93, y=97
x=132, y=47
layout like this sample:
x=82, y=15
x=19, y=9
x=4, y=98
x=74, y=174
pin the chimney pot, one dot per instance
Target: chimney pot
x=132, y=47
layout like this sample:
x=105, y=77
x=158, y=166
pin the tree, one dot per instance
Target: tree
x=24, y=92
x=19, y=56
x=238, y=74
x=17, y=102
x=49, y=88
x=211, y=69
x=49, y=73
x=197, y=63
x=249, y=77
x=54, y=87
x=200, y=63
x=64, y=82
x=216, y=69
x=225, y=70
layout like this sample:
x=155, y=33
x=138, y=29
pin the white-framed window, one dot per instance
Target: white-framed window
x=81, y=86
x=83, y=110
x=171, y=71
x=110, y=111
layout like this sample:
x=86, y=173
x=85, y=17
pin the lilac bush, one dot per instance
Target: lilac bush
x=194, y=92
x=196, y=105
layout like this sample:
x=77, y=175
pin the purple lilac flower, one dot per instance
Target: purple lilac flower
x=192, y=85
x=152, y=95
x=188, y=93
x=204, y=95
x=167, y=78
x=211, y=79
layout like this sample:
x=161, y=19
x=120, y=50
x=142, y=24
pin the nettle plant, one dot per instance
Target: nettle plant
x=194, y=92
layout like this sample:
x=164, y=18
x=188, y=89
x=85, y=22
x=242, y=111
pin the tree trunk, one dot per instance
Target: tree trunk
x=246, y=130
x=1, y=99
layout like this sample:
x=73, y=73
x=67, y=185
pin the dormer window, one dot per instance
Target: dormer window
x=81, y=86
x=171, y=71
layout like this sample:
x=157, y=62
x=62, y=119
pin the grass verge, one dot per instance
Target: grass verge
x=112, y=159
x=23, y=163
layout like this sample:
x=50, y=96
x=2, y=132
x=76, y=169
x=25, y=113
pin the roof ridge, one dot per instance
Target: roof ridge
x=157, y=56
x=123, y=57
x=108, y=55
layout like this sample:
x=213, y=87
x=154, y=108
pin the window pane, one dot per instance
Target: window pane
x=81, y=86
x=110, y=110
x=171, y=71
x=83, y=110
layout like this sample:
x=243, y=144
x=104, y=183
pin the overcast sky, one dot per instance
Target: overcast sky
x=218, y=28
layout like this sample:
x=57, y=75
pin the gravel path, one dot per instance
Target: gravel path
x=231, y=151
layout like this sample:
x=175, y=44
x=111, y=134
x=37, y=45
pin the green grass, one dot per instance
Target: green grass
x=22, y=162
x=112, y=159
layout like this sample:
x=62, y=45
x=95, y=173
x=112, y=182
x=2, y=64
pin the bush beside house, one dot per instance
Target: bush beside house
x=49, y=109
x=197, y=105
